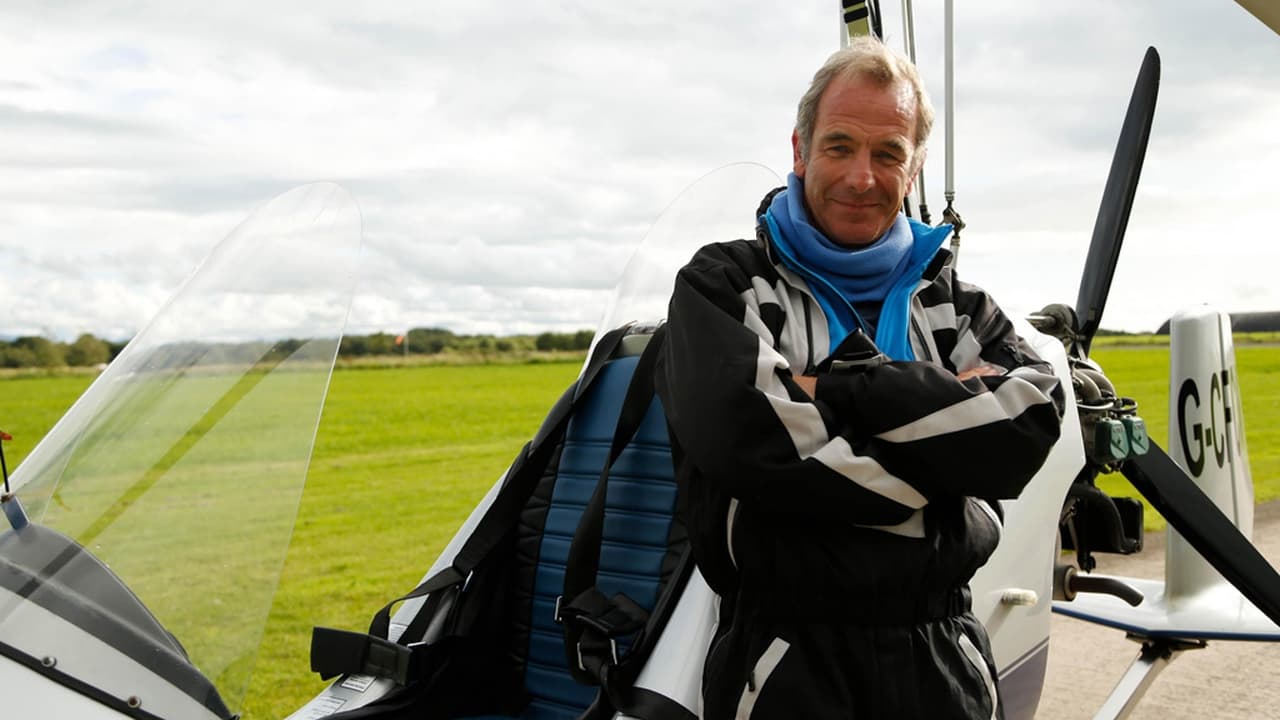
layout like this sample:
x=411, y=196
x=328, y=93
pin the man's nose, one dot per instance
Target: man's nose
x=858, y=174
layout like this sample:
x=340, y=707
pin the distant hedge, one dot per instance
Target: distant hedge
x=1244, y=322
x=434, y=341
x=34, y=351
x=89, y=351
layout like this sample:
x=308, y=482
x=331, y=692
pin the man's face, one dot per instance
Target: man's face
x=862, y=160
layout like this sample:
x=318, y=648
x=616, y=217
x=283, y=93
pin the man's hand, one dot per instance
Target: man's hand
x=807, y=383
x=979, y=371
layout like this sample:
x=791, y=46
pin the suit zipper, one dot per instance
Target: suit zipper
x=809, y=369
x=915, y=327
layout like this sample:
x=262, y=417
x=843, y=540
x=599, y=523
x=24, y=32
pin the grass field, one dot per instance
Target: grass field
x=403, y=454
x=1143, y=374
x=393, y=476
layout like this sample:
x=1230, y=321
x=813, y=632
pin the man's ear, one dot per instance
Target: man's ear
x=797, y=162
x=918, y=163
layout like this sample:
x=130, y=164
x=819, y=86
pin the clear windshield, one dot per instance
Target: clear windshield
x=182, y=466
x=718, y=207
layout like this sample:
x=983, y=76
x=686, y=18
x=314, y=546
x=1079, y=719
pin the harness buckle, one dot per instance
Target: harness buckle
x=613, y=654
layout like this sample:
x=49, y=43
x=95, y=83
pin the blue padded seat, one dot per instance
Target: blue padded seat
x=638, y=513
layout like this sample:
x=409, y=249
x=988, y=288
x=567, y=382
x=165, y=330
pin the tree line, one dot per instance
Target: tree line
x=34, y=351
x=90, y=351
x=436, y=341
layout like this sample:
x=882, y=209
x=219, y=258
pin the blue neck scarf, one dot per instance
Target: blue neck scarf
x=861, y=274
x=885, y=271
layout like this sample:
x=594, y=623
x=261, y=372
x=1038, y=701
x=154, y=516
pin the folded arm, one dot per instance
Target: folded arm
x=871, y=445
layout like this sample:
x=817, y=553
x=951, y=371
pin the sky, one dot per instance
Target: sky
x=507, y=158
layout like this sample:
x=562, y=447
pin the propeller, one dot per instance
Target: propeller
x=1165, y=485
x=1117, y=201
x=1202, y=524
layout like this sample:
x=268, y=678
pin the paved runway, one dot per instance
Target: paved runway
x=1225, y=680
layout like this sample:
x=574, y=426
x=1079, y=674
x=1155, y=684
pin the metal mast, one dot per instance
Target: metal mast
x=949, y=213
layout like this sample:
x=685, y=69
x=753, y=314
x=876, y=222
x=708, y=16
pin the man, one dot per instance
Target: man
x=846, y=414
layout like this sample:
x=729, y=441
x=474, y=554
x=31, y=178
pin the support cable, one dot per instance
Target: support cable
x=909, y=39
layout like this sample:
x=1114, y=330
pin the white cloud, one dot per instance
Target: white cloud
x=506, y=159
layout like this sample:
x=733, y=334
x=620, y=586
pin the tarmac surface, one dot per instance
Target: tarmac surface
x=1225, y=680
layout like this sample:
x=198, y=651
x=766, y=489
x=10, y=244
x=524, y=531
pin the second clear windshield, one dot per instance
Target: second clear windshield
x=718, y=207
x=182, y=466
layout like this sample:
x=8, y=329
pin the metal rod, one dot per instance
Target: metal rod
x=844, y=29
x=4, y=466
x=1155, y=656
x=949, y=213
x=949, y=191
x=909, y=40
x=909, y=30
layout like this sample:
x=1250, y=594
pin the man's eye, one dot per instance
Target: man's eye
x=838, y=149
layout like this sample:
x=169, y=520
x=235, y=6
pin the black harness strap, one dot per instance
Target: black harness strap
x=335, y=652
x=584, y=553
x=592, y=621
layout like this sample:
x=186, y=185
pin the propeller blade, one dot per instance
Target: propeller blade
x=1193, y=514
x=1117, y=200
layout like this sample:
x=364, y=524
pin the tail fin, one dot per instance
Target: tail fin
x=1206, y=439
x=1206, y=434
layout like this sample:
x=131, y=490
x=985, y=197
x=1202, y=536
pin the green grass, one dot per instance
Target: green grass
x=404, y=453
x=402, y=457
x=31, y=404
x=1142, y=373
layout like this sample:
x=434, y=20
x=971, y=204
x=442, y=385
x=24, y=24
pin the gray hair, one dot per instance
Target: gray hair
x=866, y=58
